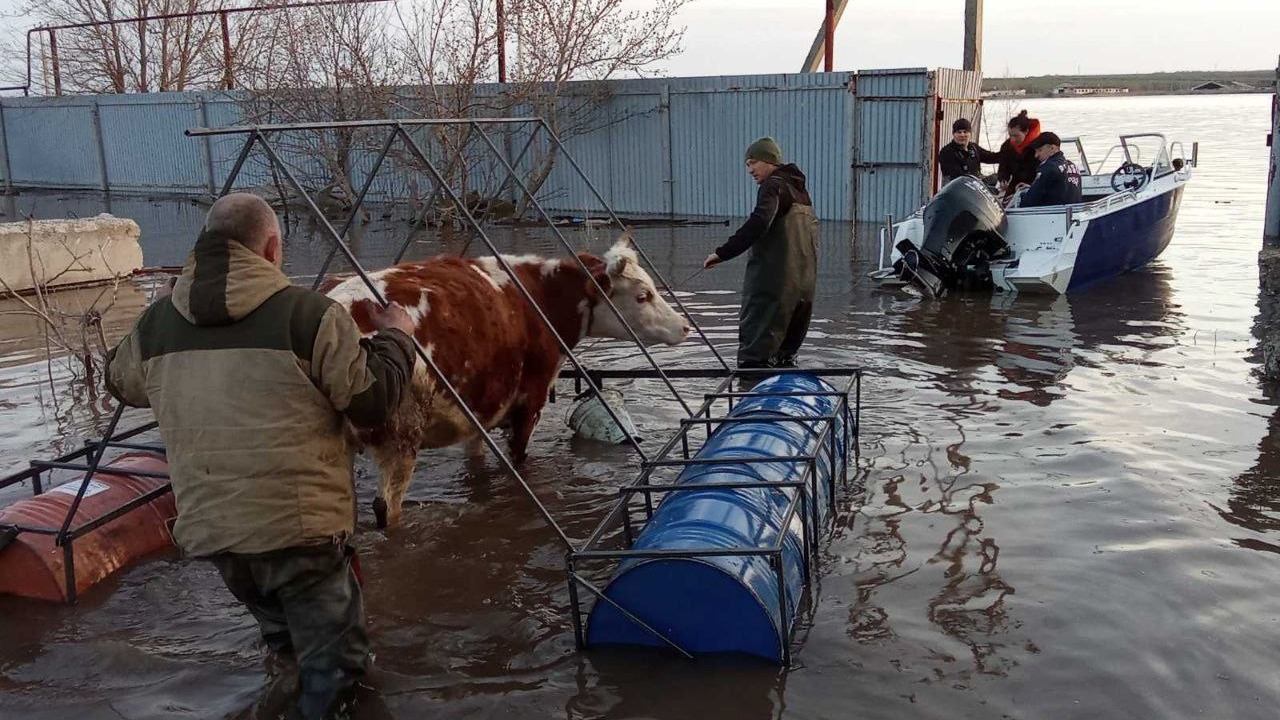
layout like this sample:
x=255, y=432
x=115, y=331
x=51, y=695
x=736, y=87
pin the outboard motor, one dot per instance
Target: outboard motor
x=963, y=234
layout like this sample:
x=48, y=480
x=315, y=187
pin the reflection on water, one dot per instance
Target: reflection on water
x=1060, y=502
x=1253, y=501
x=1033, y=342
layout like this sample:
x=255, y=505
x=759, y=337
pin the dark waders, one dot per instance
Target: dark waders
x=778, y=290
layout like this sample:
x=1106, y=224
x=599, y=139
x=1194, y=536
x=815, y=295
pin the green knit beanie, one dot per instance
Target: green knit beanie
x=765, y=150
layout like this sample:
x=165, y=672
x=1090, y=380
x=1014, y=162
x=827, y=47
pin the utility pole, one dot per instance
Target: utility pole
x=973, y=35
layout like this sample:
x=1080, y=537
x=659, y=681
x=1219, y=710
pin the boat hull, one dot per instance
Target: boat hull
x=1126, y=239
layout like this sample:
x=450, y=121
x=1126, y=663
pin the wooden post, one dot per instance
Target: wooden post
x=104, y=178
x=1271, y=229
x=973, y=35
x=502, y=42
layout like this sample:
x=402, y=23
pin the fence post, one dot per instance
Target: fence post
x=102, y=146
x=664, y=107
x=4, y=150
x=208, y=146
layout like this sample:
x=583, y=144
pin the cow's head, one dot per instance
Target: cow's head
x=632, y=291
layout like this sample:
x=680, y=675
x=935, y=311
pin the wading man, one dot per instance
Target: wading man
x=782, y=236
x=250, y=379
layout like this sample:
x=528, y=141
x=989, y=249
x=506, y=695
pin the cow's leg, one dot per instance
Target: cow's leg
x=395, y=476
x=523, y=419
x=475, y=449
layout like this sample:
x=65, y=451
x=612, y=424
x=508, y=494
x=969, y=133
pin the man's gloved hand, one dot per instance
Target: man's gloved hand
x=711, y=261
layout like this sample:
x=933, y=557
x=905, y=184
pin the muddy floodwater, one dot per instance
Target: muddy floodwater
x=1066, y=508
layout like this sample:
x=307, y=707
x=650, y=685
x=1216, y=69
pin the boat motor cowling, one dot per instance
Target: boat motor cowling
x=963, y=232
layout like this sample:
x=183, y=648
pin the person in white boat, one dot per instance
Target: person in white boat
x=1057, y=179
x=962, y=156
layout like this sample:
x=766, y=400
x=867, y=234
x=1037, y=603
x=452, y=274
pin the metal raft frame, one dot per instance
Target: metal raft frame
x=399, y=130
x=65, y=536
x=824, y=426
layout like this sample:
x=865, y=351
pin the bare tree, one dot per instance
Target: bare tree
x=438, y=58
x=559, y=42
x=170, y=54
x=320, y=64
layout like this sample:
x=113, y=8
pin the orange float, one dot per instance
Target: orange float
x=33, y=564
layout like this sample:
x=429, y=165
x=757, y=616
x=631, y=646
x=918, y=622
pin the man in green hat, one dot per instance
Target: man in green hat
x=782, y=235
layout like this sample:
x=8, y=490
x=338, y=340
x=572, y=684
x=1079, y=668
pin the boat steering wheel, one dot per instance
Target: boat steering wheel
x=1129, y=176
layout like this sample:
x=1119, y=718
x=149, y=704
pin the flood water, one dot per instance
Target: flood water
x=1068, y=507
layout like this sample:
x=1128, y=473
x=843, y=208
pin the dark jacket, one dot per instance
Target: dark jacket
x=1019, y=165
x=1057, y=183
x=956, y=160
x=250, y=378
x=784, y=188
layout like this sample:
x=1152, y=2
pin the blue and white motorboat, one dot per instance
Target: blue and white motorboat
x=963, y=239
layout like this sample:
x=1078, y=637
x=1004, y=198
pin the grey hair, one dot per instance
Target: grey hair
x=243, y=217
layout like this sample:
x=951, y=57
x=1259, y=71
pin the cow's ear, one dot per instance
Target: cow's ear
x=619, y=256
x=603, y=277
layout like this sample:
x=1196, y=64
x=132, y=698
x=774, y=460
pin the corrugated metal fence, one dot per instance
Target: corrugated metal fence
x=669, y=146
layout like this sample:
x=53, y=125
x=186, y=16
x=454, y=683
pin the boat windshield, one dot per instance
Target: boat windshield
x=1148, y=150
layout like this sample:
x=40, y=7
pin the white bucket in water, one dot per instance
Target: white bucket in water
x=589, y=418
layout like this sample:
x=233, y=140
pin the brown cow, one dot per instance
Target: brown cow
x=490, y=343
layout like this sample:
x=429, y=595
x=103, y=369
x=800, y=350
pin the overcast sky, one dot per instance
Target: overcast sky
x=1020, y=37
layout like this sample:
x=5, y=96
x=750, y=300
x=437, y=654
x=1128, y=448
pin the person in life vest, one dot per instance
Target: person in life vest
x=1057, y=181
x=1018, y=163
x=961, y=156
x=778, y=288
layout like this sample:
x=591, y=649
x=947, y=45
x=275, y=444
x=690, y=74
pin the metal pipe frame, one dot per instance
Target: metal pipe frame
x=420, y=351
x=398, y=130
x=802, y=503
x=699, y=373
x=576, y=578
x=258, y=134
x=564, y=242
x=524, y=291
x=733, y=461
x=51, y=465
x=355, y=209
x=653, y=268
x=744, y=485
x=351, y=124
x=97, y=453
x=801, y=419
x=33, y=473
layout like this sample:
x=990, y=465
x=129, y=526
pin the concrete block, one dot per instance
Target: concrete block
x=60, y=253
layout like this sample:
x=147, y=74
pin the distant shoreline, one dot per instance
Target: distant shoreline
x=1184, y=82
x=1138, y=93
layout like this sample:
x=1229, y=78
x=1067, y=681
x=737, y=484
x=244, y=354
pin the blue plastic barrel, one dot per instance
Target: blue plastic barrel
x=730, y=603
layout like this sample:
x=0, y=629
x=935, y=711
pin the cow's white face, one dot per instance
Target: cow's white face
x=637, y=299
